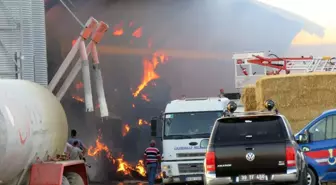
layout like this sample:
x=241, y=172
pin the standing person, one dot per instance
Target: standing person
x=221, y=93
x=152, y=159
x=76, y=153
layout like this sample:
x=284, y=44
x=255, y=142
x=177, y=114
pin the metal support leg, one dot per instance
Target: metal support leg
x=99, y=83
x=72, y=75
x=64, y=65
x=86, y=78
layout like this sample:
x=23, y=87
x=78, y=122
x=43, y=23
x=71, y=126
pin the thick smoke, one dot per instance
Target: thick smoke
x=221, y=27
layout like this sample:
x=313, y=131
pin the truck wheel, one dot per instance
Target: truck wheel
x=65, y=181
x=311, y=177
x=74, y=178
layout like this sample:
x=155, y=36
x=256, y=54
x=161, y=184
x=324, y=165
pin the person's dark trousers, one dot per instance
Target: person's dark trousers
x=151, y=173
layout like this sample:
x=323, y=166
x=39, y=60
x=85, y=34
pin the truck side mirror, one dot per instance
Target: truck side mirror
x=153, y=127
x=303, y=138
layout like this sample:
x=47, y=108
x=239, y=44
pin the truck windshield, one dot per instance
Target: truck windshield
x=189, y=124
x=241, y=130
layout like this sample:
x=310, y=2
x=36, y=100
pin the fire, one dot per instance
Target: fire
x=73, y=42
x=149, y=73
x=126, y=129
x=159, y=176
x=123, y=166
x=78, y=98
x=137, y=33
x=133, y=105
x=143, y=122
x=94, y=151
x=79, y=85
x=144, y=97
x=118, y=30
x=140, y=168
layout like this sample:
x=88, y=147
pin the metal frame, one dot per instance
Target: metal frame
x=96, y=31
x=274, y=65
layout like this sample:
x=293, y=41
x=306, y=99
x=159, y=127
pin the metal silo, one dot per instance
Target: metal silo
x=23, y=40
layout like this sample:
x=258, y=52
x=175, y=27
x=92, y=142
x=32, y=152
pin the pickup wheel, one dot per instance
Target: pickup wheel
x=311, y=177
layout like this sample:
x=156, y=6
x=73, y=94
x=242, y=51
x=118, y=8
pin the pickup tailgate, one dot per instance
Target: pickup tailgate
x=232, y=161
x=250, y=145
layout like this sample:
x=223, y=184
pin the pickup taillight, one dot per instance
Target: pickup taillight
x=210, y=161
x=290, y=156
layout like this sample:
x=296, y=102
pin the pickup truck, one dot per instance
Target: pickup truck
x=318, y=142
x=253, y=147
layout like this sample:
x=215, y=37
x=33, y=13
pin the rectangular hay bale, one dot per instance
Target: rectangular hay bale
x=248, y=98
x=300, y=97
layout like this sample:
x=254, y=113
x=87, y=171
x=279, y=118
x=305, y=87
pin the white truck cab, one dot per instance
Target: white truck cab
x=187, y=124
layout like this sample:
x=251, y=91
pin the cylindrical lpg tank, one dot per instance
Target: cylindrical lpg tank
x=33, y=125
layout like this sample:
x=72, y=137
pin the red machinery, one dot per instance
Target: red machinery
x=251, y=66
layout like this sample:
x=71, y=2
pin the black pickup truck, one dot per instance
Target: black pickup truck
x=254, y=148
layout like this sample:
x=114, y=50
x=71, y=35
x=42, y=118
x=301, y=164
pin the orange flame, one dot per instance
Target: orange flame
x=133, y=105
x=78, y=98
x=94, y=151
x=149, y=73
x=73, y=42
x=126, y=129
x=118, y=30
x=124, y=167
x=159, y=176
x=144, y=97
x=137, y=33
x=79, y=85
x=140, y=168
x=143, y=122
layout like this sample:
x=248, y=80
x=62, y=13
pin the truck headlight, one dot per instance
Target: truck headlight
x=166, y=167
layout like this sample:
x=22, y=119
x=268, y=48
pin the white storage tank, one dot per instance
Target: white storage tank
x=33, y=125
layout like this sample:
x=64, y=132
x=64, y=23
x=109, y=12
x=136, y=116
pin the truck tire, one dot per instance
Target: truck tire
x=74, y=178
x=65, y=181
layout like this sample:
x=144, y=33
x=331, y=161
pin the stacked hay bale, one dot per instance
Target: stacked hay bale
x=248, y=98
x=300, y=97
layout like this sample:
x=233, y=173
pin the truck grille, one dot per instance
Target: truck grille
x=190, y=154
x=190, y=168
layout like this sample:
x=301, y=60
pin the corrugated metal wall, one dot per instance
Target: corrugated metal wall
x=22, y=32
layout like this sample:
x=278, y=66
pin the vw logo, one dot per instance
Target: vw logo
x=250, y=156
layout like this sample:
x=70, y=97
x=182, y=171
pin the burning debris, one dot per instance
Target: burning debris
x=143, y=122
x=137, y=33
x=122, y=166
x=125, y=130
x=144, y=97
x=118, y=29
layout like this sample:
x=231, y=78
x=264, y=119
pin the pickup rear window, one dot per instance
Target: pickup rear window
x=248, y=130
